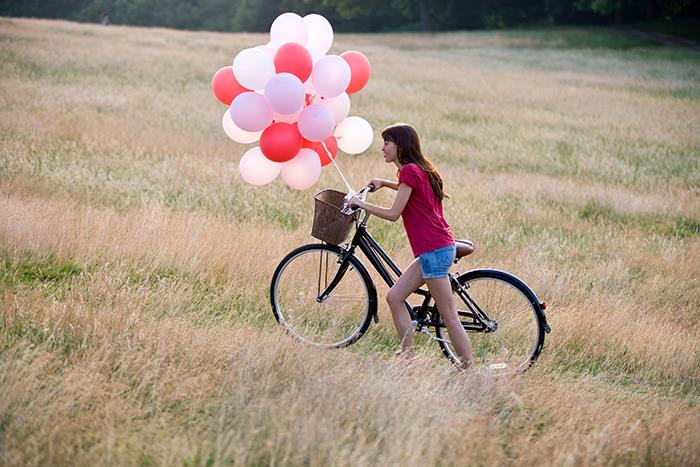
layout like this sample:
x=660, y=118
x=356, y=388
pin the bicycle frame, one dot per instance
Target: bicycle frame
x=385, y=266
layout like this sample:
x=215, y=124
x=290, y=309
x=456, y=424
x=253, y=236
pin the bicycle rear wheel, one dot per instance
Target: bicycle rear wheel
x=515, y=340
x=337, y=321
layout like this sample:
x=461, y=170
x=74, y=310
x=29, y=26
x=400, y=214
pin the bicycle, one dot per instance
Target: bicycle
x=322, y=294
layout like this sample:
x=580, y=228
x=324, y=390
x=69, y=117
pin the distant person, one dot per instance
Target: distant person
x=104, y=18
x=419, y=203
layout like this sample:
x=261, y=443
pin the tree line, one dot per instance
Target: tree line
x=358, y=15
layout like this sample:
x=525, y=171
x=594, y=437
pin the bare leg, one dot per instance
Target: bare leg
x=441, y=291
x=410, y=280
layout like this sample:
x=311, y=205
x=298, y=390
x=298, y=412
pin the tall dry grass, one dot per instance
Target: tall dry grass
x=135, y=262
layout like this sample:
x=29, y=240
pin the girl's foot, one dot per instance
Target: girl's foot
x=468, y=366
x=405, y=354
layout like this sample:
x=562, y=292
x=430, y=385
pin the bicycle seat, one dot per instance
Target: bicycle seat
x=464, y=247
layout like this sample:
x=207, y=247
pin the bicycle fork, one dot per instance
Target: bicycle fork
x=342, y=269
x=334, y=282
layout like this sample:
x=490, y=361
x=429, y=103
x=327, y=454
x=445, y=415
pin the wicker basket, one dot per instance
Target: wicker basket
x=330, y=224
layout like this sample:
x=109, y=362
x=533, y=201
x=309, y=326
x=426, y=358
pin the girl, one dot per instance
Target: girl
x=419, y=203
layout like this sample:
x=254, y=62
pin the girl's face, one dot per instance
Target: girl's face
x=390, y=151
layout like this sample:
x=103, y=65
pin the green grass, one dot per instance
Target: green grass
x=582, y=38
x=678, y=226
x=135, y=321
x=37, y=271
x=209, y=301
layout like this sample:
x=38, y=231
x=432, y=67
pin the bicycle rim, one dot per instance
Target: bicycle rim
x=339, y=320
x=518, y=338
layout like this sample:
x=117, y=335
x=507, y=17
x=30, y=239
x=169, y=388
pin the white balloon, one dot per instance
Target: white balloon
x=331, y=75
x=302, y=171
x=354, y=135
x=272, y=47
x=253, y=68
x=257, y=169
x=288, y=27
x=316, y=55
x=285, y=93
x=320, y=32
x=235, y=133
x=339, y=105
x=268, y=50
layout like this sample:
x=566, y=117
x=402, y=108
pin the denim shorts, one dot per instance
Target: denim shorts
x=436, y=264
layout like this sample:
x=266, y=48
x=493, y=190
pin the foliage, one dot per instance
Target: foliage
x=359, y=15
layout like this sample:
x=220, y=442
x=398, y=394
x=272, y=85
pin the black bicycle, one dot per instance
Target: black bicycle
x=322, y=294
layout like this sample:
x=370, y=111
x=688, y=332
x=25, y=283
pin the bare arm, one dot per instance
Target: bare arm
x=392, y=213
x=380, y=182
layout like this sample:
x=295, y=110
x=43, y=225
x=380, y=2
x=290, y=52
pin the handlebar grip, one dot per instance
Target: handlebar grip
x=371, y=187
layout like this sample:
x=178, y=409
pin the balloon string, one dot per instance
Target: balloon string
x=323, y=143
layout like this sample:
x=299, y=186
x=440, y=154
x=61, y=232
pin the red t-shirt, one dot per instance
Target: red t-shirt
x=425, y=225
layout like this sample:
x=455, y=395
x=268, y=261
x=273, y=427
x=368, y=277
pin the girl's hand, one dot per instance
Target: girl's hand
x=377, y=182
x=354, y=201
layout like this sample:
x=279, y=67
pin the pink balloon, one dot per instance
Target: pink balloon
x=251, y=112
x=225, y=86
x=338, y=105
x=295, y=59
x=235, y=133
x=257, y=169
x=316, y=123
x=331, y=76
x=302, y=171
x=285, y=93
x=359, y=70
x=331, y=145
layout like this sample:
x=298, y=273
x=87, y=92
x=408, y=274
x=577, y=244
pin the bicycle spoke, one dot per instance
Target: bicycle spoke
x=504, y=317
x=300, y=279
x=515, y=339
x=346, y=299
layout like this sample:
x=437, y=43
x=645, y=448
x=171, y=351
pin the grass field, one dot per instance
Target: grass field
x=135, y=325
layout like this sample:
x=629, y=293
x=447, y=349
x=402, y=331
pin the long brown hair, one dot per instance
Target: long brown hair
x=405, y=137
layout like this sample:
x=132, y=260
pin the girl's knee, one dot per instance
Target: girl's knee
x=389, y=298
x=394, y=297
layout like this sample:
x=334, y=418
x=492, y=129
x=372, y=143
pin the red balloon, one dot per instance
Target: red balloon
x=359, y=70
x=295, y=59
x=225, y=86
x=331, y=144
x=280, y=142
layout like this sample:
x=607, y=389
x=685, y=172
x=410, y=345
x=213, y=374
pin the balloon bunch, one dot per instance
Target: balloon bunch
x=293, y=98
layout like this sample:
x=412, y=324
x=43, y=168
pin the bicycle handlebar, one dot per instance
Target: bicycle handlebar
x=362, y=194
x=368, y=189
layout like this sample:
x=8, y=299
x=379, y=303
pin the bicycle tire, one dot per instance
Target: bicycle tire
x=518, y=339
x=343, y=317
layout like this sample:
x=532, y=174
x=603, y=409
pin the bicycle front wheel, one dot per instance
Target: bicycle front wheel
x=512, y=338
x=337, y=321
